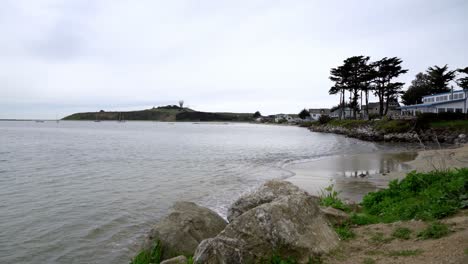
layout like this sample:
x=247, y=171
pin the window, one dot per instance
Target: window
x=441, y=110
x=450, y=110
x=458, y=110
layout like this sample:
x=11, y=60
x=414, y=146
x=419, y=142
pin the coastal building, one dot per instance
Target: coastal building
x=374, y=108
x=316, y=113
x=347, y=113
x=283, y=118
x=454, y=101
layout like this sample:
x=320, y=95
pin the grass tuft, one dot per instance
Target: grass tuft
x=368, y=261
x=434, y=231
x=379, y=238
x=344, y=232
x=149, y=256
x=405, y=253
x=402, y=233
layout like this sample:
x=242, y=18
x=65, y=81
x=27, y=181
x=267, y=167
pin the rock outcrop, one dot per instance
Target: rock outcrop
x=268, y=192
x=369, y=133
x=184, y=228
x=280, y=219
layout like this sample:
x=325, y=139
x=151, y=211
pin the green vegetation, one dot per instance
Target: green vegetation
x=434, y=230
x=348, y=123
x=425, y=196
x=393, y=126
x=149, y=256
x=405, y=253
x=368, y=261
x=330, y=198
x=452, y=125
x=344, y=232
x=402, y=233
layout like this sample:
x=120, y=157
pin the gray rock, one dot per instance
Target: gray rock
x=461, y=136
x=176, y=260
x=184, y=228
x=290, y=224
x=335, y=216
x=265, y=194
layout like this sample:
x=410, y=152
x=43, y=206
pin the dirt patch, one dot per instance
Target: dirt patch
x=377, y=244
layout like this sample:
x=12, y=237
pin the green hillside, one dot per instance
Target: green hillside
x=162, y=113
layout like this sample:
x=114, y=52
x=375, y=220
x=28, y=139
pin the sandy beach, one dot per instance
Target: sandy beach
x=355, y=175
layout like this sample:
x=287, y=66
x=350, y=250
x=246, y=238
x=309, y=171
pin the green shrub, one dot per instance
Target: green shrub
x=363, y=219
x=434, y=230
x=425, y=196
x=149, y=256
x=402, y=233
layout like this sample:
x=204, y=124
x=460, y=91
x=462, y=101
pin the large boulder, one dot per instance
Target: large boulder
x=184, y=228
x=290, y=225
x=268, y=192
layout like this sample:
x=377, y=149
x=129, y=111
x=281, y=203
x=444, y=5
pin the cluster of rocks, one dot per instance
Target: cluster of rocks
x=368, y=133
x=277, y=219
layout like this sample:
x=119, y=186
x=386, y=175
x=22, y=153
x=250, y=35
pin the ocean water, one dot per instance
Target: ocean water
x=87, y=192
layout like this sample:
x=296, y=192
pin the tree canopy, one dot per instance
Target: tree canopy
x=304, y=114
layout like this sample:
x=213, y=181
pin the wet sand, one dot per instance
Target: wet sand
x=355, y=175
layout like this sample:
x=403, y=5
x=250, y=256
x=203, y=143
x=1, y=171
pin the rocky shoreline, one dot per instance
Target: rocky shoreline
x=369, y=133
x=277, y=219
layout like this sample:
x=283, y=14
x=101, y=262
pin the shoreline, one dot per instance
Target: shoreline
x=357, y=174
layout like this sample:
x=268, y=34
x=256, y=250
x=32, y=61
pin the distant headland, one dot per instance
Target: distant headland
x=168, y=113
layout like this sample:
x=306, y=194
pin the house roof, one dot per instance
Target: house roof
x=430, y=104
x=319, y=111
x=457, y=91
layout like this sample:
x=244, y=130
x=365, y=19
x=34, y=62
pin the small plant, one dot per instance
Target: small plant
x=405, y=253
x=402, y=233
x=344, y=232
x=434, y=231
x=368, y=261
x=190, y=260
x=149, y=256
x=330, y=198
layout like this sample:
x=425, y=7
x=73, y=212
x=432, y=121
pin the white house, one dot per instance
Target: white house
x=316, y=113
x=455, y=102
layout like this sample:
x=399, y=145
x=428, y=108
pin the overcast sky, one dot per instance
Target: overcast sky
x=59, y=57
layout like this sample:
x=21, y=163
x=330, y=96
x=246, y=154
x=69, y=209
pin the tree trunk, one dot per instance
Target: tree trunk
x=367, y=104
x=386, y=106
